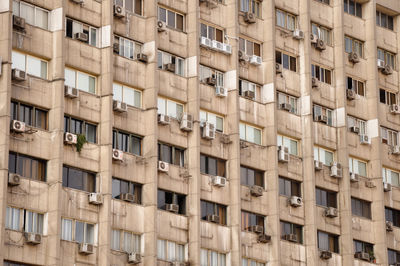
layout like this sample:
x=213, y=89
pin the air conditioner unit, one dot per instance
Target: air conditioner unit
x=320, y=45
x=142, y=57
x=127, y=197
x=296, y=201
x=164, y=119
x=172, y=208
x=85, y=248
x=70, y=138
x=80, y=36
x=119, y=106
x=283, y=154
x=351, y=94
x=370, y=184
x=243, y=57
x=227, y=49
x=219, y=181
x=186, y=123
x=388, y=70
x=208, y=131
x=314, y=82
x=394, y=109
x=355, y=129
x=318, y=165
x=362, y=256
x=354, y=58
x=249, y=17
x=17, y=126
x=258, y=229
x=336, y=170
x=354, y=177
x=313, y=38
x=14, y=179
x=78, y=1
x=205, y=42
x=325, y=255
x=119, y=11
x=255, y=60
x=212, y=81
x=134, y=258
x=395, y=150
x=249, y=94
x=18, y=75
x=256, y=191
x=285, y=106
x=364, y=139
x=381, y=64
x=278, y=68
x=161, y=26
x=170, y=67
x=32, y=238
x=387, y=187
x=70, y=92
x=163, y=166
x=221, y=91
x=298, y=34
x=95, y=198
x=263, y=238
x=213, y=218
x=18, y=23
x=322, y=118
x=116, y=47
x=331, y=212
x=216, y=45
x=117, y=155
x=389, y=226
x=290, y=237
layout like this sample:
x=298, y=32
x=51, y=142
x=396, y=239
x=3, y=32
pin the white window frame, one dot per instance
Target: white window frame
x=166, y=110
x=293, y=101
x=208, y=116
x=206, y=72
x=251, y=262
x=354, y=43
x=354, y=166
x=245, y=135
x=250, y=86
x=320, y=155
x=389, y=136
x=166, y=18
x=128, y=48
x=80, y=26
x=123, y=88
x=246, y=43
x=26, y=64
x=37, y=222
x=166, y=245
x=34, y=15
x=73, y=230
x=323, y=111
x=322, y=33
x=134, y=246
x=387, y=175
x=166, y=58
x=209, y=254
x=361, y=124
x=77, y=73
x=388, y=57
x=286, y=16
x=286, y=142
x=253, y=6
x=13, y=218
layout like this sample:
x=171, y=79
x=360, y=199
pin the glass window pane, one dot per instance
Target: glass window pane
x=28, y=13
x=79, y=231
x=33, y=66
x=171, y=19
x=70, y=77
x=42, y=18
x=82, y=82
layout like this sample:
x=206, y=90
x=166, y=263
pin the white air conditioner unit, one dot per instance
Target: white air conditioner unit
x=322, y=118
x=255, y=60
x=208, y=131
x=219, y=181
x=354, y=58
x=336, y=170
x=243, y=56
x=354, y=177
x=205, y=42
x=129, y=197
x=394, y=109
x=163, y=166
x=331, y=212
x=80, y=36
x=216, y=45
x=70, y=92
x=117, y=155
x=351, y=95
x=142, y=57
x=161, y=26
x=119, y=11
x=263, y=238
x=134, y=258
x=18, y=75
x=388, y=70
x=258, y=229
x=364, y=139
x=249, y=94
x=256, y=191
x=213, y=218
x=298, y=34
x=325, y=255
x=32, y=238
x=290, y=237
x=78, y=1
x=14, y=179
x=362, y=256
x=278, y=68
x=313, y=38
x=17, y=126
x=381, y=64
x=395, y=150
x=120, y=107
x=320, y=45
x=389, y=226
x=164, y=119
x=172, y=208
x=95, y=198
x=227, y=49
x=170, y=67
x=70, y=138
x=355, y=129
x=318, y=165
x=283, y=154
x=285, y=106
x=296, y=201
x=387, y=187
x=85, y=248
x=221, y=91
x=186, y=123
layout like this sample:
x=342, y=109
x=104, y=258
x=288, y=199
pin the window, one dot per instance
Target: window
x=289, y=187
x=387, y=97
x=11, y=263
x=211, y=33
x=356, y=85
x=206, y=72
x=393, y=257
x=323, y=155
x=78, y=231
x=212, y=166
x=26, y=166
x=167, y=197
x=249, y=47
x=12, y=218
x=353, y=8
x=251, y=219
x=133, y=6
x=360, y=246
x=390, y=176
x=250, y=133
x=128, y=48
x=387, y=57
x=250, y=262
x=32, y=65
x=355, y=122
x=252, y=6
x=33, y=15
x=164, y=58
x=127, y=142
x=354, y=46
x=289, y=143
x=322, y=33
x=127, y=95
x=30, y=115
x=287, y=61
x=72, y=27
x=329, y=242
x=125, y=241
x=384, y=20
x=393, y=216
x=32, y=221
x=80, y=127
x=170, y=251
x=211, y=208
x=285, y=20
x=168, y=107
x=80, y=80
x=245, y=85
x=212, y=258
x=323, y=1
x=251, y=177
x=319, y=110
x=216, y=120
x=78, y=179
x=292, y=229
x=361, y=208
x=171, y=154
x=389, y=136
x=120, y=186
x=288, y=99
x=322, y=74
x=173, y=19
x=357, y=167
x=325, y=198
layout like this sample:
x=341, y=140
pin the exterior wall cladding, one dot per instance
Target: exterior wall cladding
x=214, y=132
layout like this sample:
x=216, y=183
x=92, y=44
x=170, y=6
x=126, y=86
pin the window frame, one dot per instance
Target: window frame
x=218, y=163
x=357, y=6
x=354, y=44
x=246, y=126
x=252, y=220
x=353, y=169
x=122, y=241
x=389, y=97
x=134, y=188
x=295, y=229
x=131, y=137
x=221, y=258
x=331, y=240
x=179, y=62
x=23, y=157
x=388, y=176
x=322, y=74
x=123, y=98
x=389, y=136
x=280, y=59
x=26, y=69
x=68, y=119
x=83, y=27
x=289, y=99
x=285, y=184
x=133, y=6
x=207, y=113
x=166, y=250
x=66, y=179
x=355, y=86
x=217, y=209
x=327, y=196
x=322, y=33
x=282, y=141
x=320, y=149
x=252, y=6
x=176, y=14
x=33, y=114
x=206, y=72
x=35, y=24
x=365, y=208
x=132, y=47
x=389, y=18
x=388, y=57
x=286, y=15
x=89, y=76
x=257, y=176
x=73, y=230
x=246, y=43
x=173, y=154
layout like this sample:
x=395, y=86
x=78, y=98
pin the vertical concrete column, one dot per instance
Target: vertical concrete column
x=5, y=99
